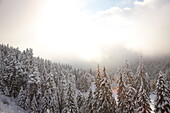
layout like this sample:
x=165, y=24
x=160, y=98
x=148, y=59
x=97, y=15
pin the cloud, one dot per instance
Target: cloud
x=65, y=30
x=145, y=27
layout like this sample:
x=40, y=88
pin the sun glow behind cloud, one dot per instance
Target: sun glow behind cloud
x=71, y=31
x=66, y=30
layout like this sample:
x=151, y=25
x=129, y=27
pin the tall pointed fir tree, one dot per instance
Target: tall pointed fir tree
x=52, y=91
x=128, y=75
x=34, y=105
x=27, y=103
x=129, y=100
x=121, y=93
x=130, y=91
x=33, y=82
x=97, y=90
x=141, y=74
x=89, y=101
x=54, y=104
x=61, y=89
x=44, y=102
x=70, y=101
x=162, y=101
x=143, y=100
x=80, y=102
x=106, y=102
x=21, y=97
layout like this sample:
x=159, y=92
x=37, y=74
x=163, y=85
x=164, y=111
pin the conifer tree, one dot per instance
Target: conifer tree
x=27, y=103
x=107, y=103
x=89, y=101
x=33, y=82
x=129, y=100
x=21, y=97
x=34, y=105
x=128, y=75
x=6, y=91
x=97, y=90
x=70, y=101
x=141, y=74
x=130, y=91
x=44, y=102
x=121, y=93
x=80, y=102
x=53, y=104
x=143, y=100
x=162, y=101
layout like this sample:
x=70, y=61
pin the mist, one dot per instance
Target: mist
x=84, y=39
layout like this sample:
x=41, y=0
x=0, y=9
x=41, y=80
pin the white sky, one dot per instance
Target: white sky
x=67, y=30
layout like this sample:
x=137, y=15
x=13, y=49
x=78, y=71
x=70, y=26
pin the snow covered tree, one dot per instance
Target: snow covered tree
x=80, y=102
x=70, y=101
x=6, y=91
x=129, y=90
x=34, y=105
x=53, y=104
x=33, y=82
x=129, y=100
x=143, y=100
x=89, y=101
x=61, y=90
x=121, y=93
x=44, y=102
x=27, y=103
x=97, y=90
x=21, y=97
x=162, y=101
x=128, y=75
x=141, y=74
x=106, y=102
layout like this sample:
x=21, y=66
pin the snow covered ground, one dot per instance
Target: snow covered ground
x=152, y=97
x=8, y=105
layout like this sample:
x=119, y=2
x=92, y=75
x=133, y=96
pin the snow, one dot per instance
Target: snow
x=93, y=87
x=152, y=97
x=9, y=105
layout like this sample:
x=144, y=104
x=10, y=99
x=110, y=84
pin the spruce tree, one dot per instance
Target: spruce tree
x=53, y=104
x=162, y=101
x=27, y=103
x=128, y=75
x=130, y=91
x=97, y=91
x=129, y=100
x=143, y=100
x=80, y=102
x=44, y=102
x=107, y=103
x=34, y=105
x=70, y=101
x=6, y=91
x=121, y=93
x=141, y=74
x=89, y=101
x=21, y=97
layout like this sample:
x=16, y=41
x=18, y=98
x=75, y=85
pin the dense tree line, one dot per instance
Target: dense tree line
x=40, y=85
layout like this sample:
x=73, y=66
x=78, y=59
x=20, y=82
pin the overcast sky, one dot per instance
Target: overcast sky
x=86, y=30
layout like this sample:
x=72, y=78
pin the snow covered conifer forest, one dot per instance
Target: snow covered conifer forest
x=37, y=85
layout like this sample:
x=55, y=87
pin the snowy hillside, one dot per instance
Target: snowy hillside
x=9, y=105
x=38, y=85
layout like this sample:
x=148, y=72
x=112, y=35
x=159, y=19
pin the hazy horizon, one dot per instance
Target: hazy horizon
x=87, y=31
